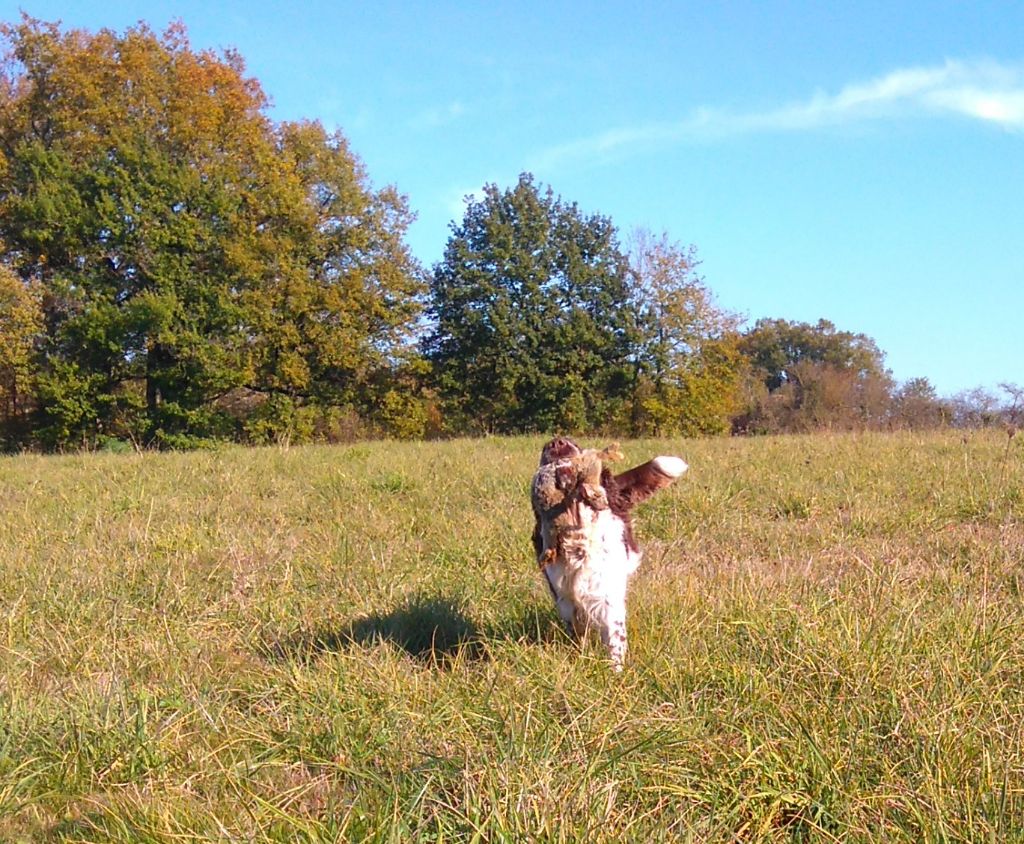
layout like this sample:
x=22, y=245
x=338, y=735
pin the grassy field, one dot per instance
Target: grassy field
x=353, y=643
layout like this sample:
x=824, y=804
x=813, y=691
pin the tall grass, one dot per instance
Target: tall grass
x=353, y=643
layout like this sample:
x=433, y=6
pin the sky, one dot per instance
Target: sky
x=861, y=162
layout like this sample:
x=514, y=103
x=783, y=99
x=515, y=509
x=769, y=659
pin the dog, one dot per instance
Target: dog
x=587, y=566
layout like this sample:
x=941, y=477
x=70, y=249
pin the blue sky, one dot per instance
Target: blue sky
x=862, y=162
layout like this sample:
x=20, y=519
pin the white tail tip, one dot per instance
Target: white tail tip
x=671, y=466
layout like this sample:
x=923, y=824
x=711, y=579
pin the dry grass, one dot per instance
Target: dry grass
x=323, y=644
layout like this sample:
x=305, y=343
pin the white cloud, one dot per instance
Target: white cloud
x=431, y=118
x=983, y=91
x=455, y=198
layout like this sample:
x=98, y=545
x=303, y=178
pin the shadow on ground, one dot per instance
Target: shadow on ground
x=432, y=629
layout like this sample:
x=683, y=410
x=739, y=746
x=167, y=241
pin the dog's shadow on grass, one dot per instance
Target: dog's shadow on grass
x=435, y=630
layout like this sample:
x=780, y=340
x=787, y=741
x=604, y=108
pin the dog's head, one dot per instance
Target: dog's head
x=558, y=449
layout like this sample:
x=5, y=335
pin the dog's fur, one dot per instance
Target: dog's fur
x=587, y=565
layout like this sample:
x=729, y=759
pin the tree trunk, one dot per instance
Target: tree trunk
x=155, y=360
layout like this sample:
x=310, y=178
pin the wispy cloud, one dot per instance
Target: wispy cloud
x=431, y=118
x=984, y=91
x=455, y=198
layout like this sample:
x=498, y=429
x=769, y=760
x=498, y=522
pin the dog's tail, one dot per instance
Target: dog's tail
x=641, y=482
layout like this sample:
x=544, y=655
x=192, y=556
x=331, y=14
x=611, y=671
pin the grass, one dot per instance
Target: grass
x=352, y=643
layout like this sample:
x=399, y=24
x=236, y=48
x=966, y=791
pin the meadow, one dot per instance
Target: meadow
x=353, y=643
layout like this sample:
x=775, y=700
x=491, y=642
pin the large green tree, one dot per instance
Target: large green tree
x=690, y=367
x=188, y=247
x=534, y=319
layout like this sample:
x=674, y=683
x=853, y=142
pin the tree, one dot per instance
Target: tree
x=21, y=324
x=188, y=246
x=916, y=405
x=335, y=313
x=534, y=319
x=975, y=408
x=775, y=346
x=805, y=377
x=1013, y=411
x=689, y=365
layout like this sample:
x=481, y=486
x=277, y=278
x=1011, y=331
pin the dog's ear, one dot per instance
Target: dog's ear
x=538, y=537
x=641, y=482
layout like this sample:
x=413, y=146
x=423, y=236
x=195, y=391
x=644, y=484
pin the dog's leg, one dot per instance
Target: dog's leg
x=617, y=643
x=555, y=574
x=613, y=629
x=570, y=618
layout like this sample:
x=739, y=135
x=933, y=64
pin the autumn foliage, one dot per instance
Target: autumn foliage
x=177, y=268
x=203, y=271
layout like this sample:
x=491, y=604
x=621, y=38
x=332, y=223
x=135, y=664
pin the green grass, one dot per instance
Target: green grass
x=353, y=643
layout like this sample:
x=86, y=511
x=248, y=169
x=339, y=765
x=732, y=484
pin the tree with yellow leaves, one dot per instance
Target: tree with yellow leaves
x=21, y=325
x=191, y=250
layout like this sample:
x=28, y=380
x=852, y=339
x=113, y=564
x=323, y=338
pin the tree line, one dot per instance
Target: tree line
x=176, y=268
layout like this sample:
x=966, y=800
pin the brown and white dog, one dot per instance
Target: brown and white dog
x=589, y=570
